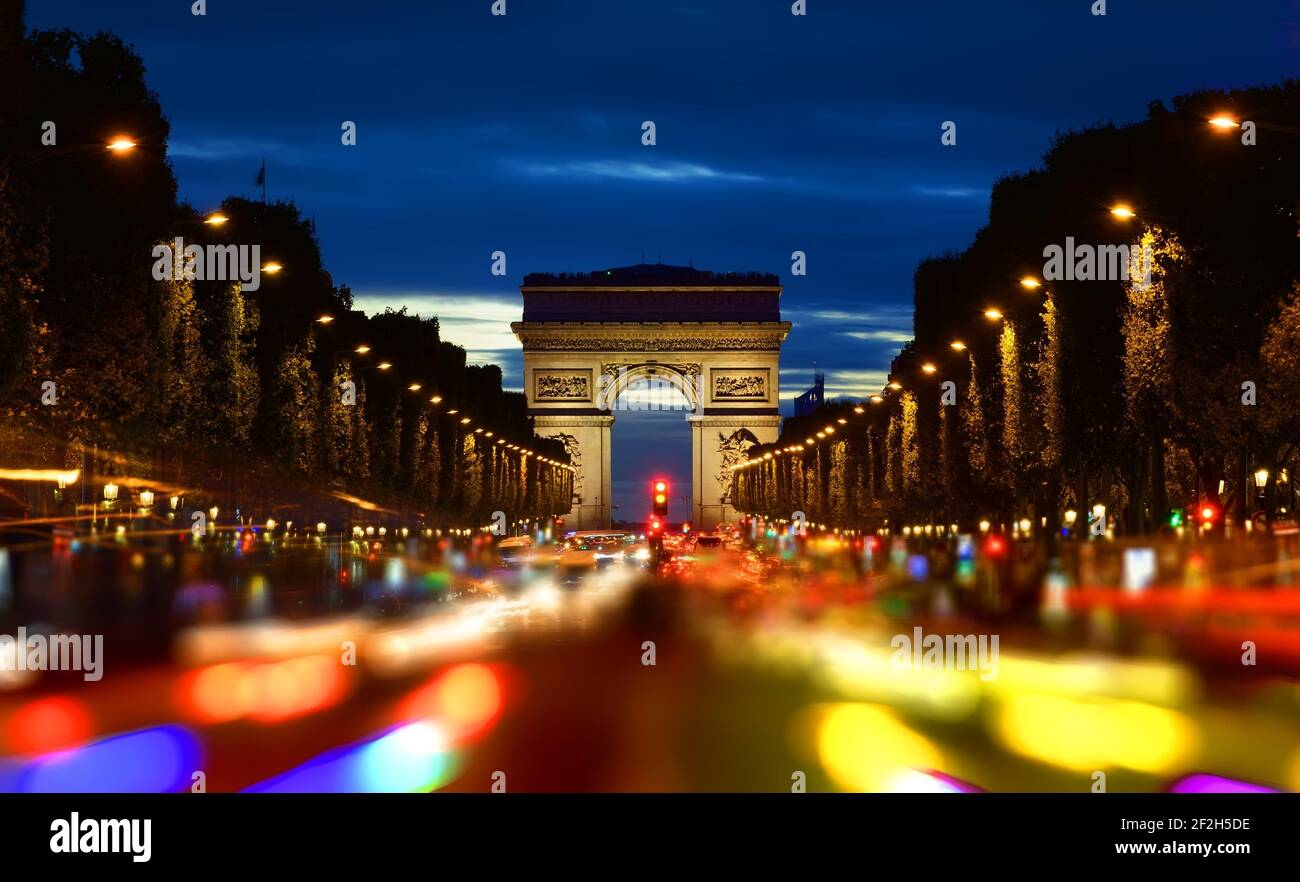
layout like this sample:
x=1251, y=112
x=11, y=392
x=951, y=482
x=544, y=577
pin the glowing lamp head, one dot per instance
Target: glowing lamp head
x=1123, y=212
x=121, y=144
x=1223, y=122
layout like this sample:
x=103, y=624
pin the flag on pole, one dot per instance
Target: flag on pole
x=261, y=180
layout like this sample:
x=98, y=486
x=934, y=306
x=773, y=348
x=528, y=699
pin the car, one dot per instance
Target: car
x=586, y=551
x=515, y=551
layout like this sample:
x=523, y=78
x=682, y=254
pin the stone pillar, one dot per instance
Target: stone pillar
x=717, y=442
x=587, y=440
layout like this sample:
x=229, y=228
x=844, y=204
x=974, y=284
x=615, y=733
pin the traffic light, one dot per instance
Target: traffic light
x=659, y=496
x=1207, y=514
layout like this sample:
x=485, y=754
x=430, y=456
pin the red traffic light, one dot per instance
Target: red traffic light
x=1208, y=513
x=660, y=497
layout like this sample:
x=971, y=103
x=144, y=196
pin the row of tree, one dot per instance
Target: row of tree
x=105, y=367
x=1144, y=393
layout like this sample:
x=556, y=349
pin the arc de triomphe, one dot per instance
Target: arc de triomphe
x=715, y=337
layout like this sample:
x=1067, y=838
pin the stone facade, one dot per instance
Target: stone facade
x=575, y=369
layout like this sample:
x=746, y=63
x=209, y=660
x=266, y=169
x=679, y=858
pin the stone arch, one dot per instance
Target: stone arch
x=618, y=378
x=714, y=337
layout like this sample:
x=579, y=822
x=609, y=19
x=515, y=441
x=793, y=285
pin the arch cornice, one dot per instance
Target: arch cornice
x=651, y=336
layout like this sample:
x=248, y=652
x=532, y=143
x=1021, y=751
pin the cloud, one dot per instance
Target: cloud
x=624, y=170
x=228, y=148
x=953, y=192
x=887, y=336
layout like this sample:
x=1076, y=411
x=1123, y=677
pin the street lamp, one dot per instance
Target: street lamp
x=1261, y=478
x=110, y=492
x=216, y=219
x=1223, y=122
x=272, y=268
x=993, y=314
x=957, y=346
x=146, y=499
x=1030, y=283
x=1123, y=212
x=121, y=144
x=928, y=368
x=362, y=349
x=325, y=319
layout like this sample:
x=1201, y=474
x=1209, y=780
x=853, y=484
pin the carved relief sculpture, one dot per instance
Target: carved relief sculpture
x=564, y=388
x=572, y=448
x=734, y=449
x=749, y=386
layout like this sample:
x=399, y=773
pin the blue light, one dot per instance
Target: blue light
x=161, y=759
x=407, y=759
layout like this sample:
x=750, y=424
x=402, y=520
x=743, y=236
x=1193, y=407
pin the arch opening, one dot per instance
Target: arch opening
x=650, y=439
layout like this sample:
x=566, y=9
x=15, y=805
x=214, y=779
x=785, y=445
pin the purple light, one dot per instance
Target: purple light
x=161, y=759
x=1203, y=783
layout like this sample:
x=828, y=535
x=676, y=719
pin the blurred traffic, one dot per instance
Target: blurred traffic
x=753, y=656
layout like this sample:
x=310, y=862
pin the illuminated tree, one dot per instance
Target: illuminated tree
x=296, y=395
x=1013, y=453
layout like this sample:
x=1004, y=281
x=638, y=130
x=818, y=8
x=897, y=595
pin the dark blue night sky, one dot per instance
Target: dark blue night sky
x=775, y=133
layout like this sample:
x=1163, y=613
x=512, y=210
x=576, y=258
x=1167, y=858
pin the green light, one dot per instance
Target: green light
x=1176, y=517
